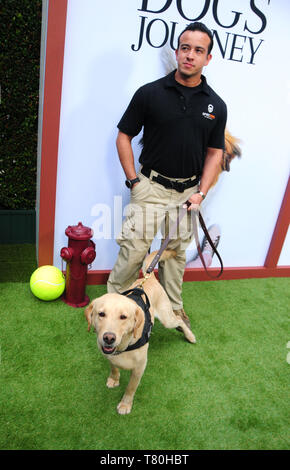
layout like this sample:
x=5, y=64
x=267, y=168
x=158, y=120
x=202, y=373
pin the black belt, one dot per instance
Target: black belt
x=179, y=186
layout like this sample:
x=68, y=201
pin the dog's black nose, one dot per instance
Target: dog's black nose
x=109, y=338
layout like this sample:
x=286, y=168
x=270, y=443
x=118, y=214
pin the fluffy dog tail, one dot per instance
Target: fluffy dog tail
x=232, y=150
x=165, y=255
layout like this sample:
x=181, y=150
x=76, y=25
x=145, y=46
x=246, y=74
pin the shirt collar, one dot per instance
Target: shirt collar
x=170, y=82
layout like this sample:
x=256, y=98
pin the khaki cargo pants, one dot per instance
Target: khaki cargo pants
x=152, y=207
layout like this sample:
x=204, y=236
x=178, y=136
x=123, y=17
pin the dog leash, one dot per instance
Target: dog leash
x=207, y=235
x=195, y=215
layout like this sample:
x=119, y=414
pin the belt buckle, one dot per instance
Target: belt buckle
x=179, y=186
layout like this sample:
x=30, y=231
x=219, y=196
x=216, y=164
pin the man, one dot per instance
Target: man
x=183, y=122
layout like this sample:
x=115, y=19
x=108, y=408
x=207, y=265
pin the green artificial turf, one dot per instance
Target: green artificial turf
x=229, y=391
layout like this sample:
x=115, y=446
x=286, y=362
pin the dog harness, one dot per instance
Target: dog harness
x=136, y=295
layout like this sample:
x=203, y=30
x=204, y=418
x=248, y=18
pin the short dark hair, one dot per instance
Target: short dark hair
x=197, y=26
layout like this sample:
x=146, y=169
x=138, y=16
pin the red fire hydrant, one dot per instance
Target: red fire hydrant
x=79, y=253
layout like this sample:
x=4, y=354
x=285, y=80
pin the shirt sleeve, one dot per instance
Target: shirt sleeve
x=217, y=136
x=132, y=120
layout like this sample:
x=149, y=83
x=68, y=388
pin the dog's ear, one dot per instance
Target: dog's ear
x=89, y=314
x=139, y=317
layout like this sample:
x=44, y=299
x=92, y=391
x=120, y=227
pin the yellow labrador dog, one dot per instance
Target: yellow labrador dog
x=123, y=324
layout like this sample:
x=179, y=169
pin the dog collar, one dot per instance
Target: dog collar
x=136, y=295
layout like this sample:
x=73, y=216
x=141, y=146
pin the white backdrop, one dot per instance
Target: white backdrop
x=250, y=70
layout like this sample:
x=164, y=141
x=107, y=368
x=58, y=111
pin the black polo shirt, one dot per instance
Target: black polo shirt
x=179, y=124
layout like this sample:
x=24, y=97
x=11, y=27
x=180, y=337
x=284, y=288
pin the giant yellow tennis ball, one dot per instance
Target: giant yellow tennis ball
x=47, y=283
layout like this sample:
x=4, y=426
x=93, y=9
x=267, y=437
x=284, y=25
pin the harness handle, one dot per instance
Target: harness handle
x=138, y=291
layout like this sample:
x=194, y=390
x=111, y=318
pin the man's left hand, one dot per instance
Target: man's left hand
x=195, y=200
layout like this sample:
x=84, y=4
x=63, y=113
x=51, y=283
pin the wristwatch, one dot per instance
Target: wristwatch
x=130, y=183
x=201, y=193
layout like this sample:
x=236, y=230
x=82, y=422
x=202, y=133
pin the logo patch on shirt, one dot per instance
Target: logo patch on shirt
x=210, y=108
x=209, y=116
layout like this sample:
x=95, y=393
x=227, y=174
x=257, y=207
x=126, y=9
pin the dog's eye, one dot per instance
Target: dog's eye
x=123, y=317
x=101, y=314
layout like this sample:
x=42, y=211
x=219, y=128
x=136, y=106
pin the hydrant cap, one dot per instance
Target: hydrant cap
x=79, y=232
